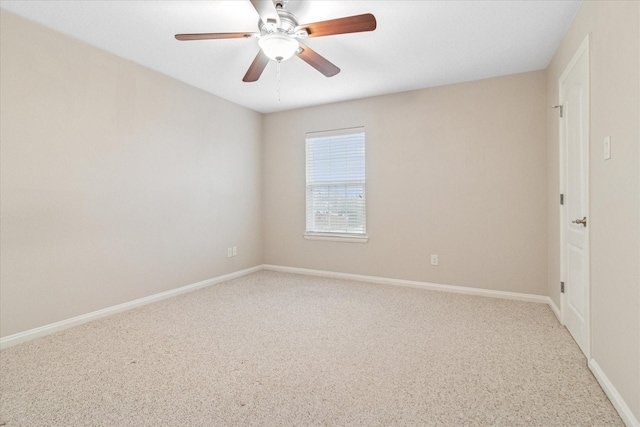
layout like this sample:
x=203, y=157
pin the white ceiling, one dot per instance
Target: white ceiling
x=417, y=44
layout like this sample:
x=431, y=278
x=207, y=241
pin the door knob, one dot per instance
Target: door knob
x=582, y=221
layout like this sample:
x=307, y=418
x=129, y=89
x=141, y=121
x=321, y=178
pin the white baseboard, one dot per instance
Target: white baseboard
x=555, y=309
x=75, y=321
x=42, y=331
x=618, y=402
x=414, y=284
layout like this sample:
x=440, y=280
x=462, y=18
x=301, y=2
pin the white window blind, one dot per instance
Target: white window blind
x=336, y=183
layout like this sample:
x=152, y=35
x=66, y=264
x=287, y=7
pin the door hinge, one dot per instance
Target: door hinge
x=562, y=199
x=560, y=107
x=562, y=287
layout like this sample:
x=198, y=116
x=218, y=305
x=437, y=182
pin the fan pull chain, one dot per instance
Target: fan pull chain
x=278, y=68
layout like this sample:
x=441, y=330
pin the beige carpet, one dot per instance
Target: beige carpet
x=275, y=349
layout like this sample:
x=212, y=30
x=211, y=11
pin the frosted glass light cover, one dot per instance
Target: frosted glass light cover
x=278, y=47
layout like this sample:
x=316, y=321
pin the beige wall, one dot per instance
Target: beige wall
x=615, y=186
x=117, y=182
x=458, y=171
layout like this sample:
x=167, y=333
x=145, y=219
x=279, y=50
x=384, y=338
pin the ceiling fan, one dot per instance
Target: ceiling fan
x=279, y=34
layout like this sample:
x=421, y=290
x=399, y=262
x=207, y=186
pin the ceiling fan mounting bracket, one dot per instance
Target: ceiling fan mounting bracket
x=279, y=4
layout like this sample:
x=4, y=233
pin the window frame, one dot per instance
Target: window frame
x=346, y=236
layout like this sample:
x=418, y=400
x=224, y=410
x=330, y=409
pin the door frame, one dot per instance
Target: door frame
x=582, y=50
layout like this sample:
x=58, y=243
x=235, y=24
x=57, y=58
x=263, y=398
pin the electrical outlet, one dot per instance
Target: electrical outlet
x=229, y=252
x=434, y=259
x=235, y=251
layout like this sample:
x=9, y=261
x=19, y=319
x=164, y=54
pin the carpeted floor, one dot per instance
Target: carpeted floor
x=275, y=349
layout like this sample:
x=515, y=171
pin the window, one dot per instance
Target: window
x=336, y=185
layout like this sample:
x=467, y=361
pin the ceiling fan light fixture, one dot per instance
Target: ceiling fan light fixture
x=278, y=46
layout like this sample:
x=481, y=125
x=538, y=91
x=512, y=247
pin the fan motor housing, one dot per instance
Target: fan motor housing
x=288, y=22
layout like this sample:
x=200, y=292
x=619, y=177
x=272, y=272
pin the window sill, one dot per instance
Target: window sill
x=337, y=238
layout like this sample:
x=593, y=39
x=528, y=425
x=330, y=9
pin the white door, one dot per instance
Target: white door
x=574, y=165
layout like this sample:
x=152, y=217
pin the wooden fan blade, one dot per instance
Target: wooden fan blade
x=317, y=61
x=267, y=11
x=209, y=36
x=256, y=68
x=350, y=24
